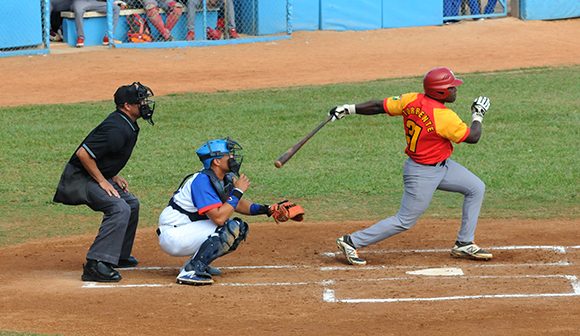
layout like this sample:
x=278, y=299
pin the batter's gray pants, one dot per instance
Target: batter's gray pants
x=193, y=5
x=117, y=232
x=79, y=7
x=420, y=182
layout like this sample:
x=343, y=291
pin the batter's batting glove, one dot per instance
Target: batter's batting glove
x=340, y=112
x=479, y=108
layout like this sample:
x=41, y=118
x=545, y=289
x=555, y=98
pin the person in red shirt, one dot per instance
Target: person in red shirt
x=430, y=128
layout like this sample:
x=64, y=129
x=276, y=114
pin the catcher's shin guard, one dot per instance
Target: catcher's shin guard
x=226, y=239
x=175, y=11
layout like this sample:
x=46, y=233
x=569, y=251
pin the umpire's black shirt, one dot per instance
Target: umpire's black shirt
x=110, y=144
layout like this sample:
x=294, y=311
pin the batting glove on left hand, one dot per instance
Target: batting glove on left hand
x=479, y=108
x=340, y=112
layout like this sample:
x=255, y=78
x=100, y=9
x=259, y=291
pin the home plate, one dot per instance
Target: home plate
x=446, y=271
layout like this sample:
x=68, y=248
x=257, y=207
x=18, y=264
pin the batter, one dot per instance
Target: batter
x=430, y=128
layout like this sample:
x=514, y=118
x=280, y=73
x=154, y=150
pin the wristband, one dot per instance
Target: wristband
x=476, y=117
x=235, y=197
x=258, y=209
x=351, y=108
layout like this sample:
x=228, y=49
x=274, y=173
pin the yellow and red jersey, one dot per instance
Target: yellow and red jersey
x=429, y=126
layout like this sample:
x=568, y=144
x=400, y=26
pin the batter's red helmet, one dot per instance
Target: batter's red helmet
x=437, y=82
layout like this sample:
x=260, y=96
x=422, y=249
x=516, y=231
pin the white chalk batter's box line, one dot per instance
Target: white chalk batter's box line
x=554, y=248
x=357, y=268
x=330, y=296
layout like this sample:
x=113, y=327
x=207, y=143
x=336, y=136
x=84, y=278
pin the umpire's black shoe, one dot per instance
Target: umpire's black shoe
x=129, y=262
x=99, y=271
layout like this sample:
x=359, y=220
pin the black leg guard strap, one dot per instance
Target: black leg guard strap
x=225, y=240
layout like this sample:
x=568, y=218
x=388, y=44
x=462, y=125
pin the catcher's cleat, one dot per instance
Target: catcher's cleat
x=470, y=251
x=126, y=263
x=346, y=245
x=190, y=278
x=99, y=271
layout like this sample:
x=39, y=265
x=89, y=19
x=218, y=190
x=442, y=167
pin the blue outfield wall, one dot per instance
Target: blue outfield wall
x=412, y=13
x=549, y=10
x=365, y=14
x=21, y=24
x=305, y=14
x=351, y=15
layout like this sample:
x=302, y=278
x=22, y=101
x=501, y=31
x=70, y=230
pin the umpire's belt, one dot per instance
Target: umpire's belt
x=193, y=216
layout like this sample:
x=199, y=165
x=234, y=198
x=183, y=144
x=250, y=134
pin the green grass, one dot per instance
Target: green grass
x=351, y=170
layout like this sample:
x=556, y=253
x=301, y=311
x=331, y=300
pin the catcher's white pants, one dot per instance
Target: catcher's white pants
x=182, y=237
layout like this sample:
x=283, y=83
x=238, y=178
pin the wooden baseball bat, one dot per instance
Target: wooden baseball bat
x=290, y=152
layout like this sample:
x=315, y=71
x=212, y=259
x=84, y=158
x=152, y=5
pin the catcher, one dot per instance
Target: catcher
x=197, y=222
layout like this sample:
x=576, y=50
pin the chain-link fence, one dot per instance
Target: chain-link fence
x=456, y=10
x=173, y=23
x=24, y=27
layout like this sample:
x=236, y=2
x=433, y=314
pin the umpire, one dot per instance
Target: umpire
x=91, y=177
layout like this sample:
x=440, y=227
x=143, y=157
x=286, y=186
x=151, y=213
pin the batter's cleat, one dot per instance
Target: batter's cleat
x=99, y=271
x=213, y=271
x=129, y=262
x=190, y=278
x=346, y=245
x=470, y=251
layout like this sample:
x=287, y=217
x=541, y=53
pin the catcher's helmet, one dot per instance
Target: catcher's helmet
x=437, y=82
x=217, y=148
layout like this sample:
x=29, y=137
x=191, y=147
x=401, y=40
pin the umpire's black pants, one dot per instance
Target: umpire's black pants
x=117, y=232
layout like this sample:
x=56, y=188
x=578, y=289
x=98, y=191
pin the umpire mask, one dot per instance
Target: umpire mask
x=147, y=105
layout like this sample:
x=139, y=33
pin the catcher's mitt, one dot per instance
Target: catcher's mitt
x=285, y=210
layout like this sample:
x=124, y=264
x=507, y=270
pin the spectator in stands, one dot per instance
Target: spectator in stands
x=79, y=7
x=450, y=8
x=56, y=7
x=226, y=24
x=172, y=8
x=474, y=7
x=490, y=7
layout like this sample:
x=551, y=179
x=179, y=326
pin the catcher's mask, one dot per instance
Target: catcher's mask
x=438, y=81
x=137, y=93
x=215, y=149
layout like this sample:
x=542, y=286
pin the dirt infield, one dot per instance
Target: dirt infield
x=288, y=279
